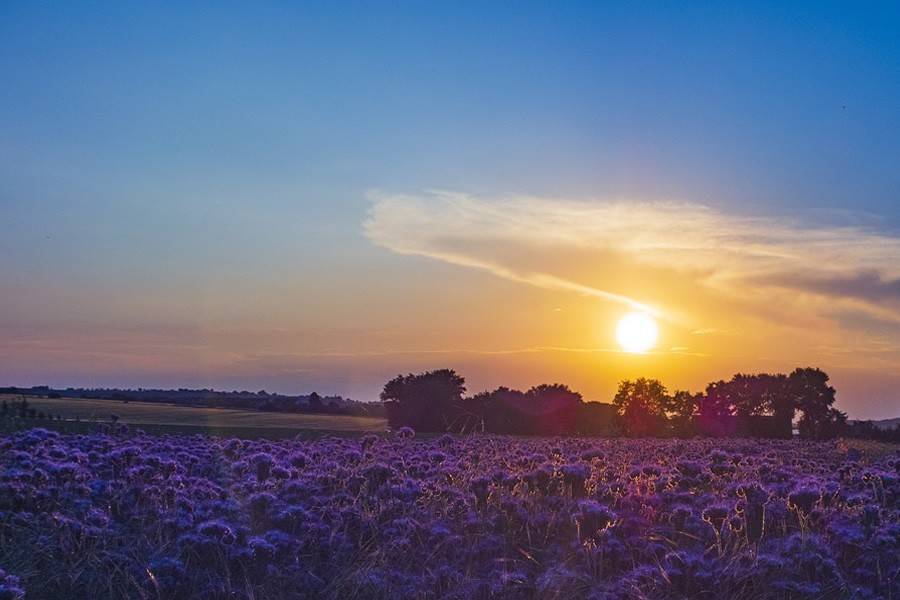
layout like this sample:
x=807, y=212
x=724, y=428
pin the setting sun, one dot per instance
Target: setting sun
x=636, y=332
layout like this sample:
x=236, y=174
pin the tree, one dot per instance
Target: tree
x=814, y=397
x=756, y=395
x=642, y=404
x=719, y=400
x=597, y=418
x=777, y=398
x=835, y=425
x=548, y=409
x=681, y=408
x=503, y=410
x=429, y=401
x=554, y=408
x=747, y=394
x=758, y=405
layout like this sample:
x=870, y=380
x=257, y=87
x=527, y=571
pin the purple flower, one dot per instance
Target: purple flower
x=262, y=464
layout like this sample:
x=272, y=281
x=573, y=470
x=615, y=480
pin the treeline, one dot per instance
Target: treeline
x=434, y=401
x=870, y=431
x=243, y=400
x=760, y=405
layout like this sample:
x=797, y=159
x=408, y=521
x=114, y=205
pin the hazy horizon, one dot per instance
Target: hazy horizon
x=319, y=199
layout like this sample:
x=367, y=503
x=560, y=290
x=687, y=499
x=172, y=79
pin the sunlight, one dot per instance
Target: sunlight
x=636, y=332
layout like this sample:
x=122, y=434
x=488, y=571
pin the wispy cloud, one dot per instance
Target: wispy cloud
x=711, y=331
x=839, y=268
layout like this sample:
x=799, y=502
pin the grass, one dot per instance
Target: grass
x=154, y=417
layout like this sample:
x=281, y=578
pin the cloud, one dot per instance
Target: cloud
x=866, y=285
x=449, y=227
x=588, y=247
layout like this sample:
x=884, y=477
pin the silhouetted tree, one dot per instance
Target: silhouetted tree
x=554, y=408
x=778, y=399
x=682, y=408
x=814, y=397
x=752, y=405
x=719, y=400
x=500, y=411
x=835, y=425
x=642, y=404
x=549, y=409
x=747, y=394
x=429, y=401
x=598, y=418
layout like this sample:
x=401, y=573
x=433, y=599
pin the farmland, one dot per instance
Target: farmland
x=168, y=418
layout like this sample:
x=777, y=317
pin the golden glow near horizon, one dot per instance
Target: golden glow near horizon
x=637, y=332
x=519, y=291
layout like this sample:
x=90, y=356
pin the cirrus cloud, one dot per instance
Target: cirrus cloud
x=585, y=246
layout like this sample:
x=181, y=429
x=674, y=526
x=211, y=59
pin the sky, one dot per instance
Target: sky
x=319, y=197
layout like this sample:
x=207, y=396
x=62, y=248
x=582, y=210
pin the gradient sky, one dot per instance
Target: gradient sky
x=264, y=196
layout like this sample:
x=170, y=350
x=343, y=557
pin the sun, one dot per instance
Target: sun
x=636, y=332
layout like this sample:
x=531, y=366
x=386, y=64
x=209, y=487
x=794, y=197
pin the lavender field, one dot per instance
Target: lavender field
x=116, y=516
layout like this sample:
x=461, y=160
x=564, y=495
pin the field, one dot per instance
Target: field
x=169, y=418
x=396, y=516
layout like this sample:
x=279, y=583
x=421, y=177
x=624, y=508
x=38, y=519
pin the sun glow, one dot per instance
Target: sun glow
x=636, y=332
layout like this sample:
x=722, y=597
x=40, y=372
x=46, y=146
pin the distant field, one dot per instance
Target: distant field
x=162, y=417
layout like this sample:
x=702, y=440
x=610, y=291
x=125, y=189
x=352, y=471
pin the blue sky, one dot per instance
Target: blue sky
x=165, y=168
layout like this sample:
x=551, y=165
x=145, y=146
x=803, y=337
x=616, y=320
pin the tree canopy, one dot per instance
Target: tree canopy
x=760, y=404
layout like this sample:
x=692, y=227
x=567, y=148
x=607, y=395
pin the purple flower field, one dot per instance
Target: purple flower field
x=110, y=516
